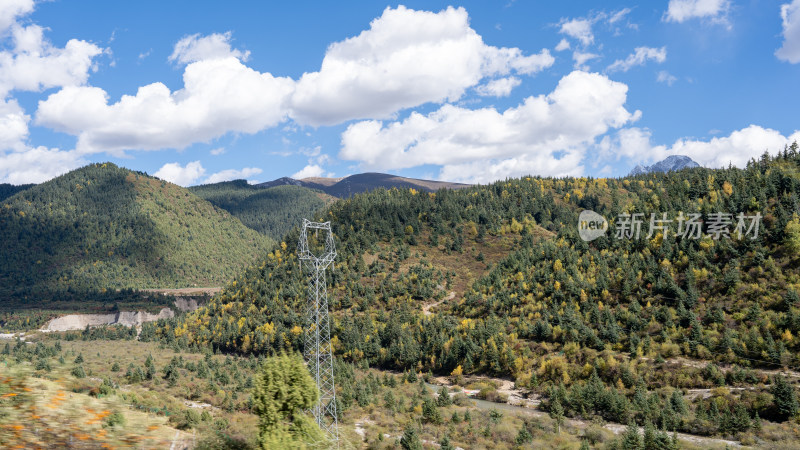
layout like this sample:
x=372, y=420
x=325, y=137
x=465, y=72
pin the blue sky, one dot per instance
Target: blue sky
x=469, y=91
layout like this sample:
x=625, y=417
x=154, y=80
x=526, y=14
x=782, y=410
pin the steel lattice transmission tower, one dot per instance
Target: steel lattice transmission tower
x=317, y=351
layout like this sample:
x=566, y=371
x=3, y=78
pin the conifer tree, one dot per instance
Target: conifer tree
x=557, y=413
x=444, y=399
x=283, y=391
x=410, y=439
x=444, y=443
x=631, y=440
x=784, y=398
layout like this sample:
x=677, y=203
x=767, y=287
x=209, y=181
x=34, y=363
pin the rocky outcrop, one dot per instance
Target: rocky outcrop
x=126, y=318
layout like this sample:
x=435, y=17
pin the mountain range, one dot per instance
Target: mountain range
x=363, y=182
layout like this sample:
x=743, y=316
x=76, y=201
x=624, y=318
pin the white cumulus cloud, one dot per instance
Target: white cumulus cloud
x=219, y=96
x=32, y=63
x=181, y=175
x=406, y=58
x=195, y=48
x=233, y=174
x=580, y=29
x=683, y=10
x=311, y=170
x=790, y=50
x=638, y=58
x=500, y=87
x=735, y=149
x=37, y=165
x=13, y=125
x=545, y=135
x=11, y=9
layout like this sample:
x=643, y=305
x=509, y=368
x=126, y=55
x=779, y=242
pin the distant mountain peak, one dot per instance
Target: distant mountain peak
x=668, y=164
x=362, y=182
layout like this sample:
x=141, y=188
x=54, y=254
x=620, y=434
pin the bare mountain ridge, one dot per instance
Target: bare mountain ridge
x=354, y=184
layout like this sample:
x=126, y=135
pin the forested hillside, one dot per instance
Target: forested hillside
x=495, y=280
x=270, y=211
x=104, y=227
x=7, y=190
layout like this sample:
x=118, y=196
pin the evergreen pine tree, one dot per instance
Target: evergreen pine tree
x=650, y=438
x=444, y=443
x=523, y=436
x=430, y=412
x=283, y=392
x=444, y=397
x=631, y=439
x=410, y=439
x=784, y=398
x=557, y=413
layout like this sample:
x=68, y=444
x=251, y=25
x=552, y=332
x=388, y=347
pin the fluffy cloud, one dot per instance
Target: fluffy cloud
x=36, y=165
x=192, y=172
x=683, y=10
x=580, y=29
x=181, y=175
x=11, y=9
x=736, y=149
x=13, y=126
x=563, y=44
x=195, y=48
x=219, y=96
x=638, y=58
x=311, y=170
x=500, y=87
x=544, y=135
x=33, y=64
x=569, y=163
x=405, y=59
x=790, y=50
x=232, y=174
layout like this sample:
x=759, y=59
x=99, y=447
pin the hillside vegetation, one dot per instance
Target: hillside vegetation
x=606, y=329
x=270, y=211
x=7, y=190
x=104, y=227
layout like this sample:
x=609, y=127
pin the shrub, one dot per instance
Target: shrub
x=115, y=419
x=78, y=372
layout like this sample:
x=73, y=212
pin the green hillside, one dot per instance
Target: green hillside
x=271, y=211
x=7, y=190
x=104, y=227
x=495, y=280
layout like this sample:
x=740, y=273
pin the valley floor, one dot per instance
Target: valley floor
x=62, y=389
